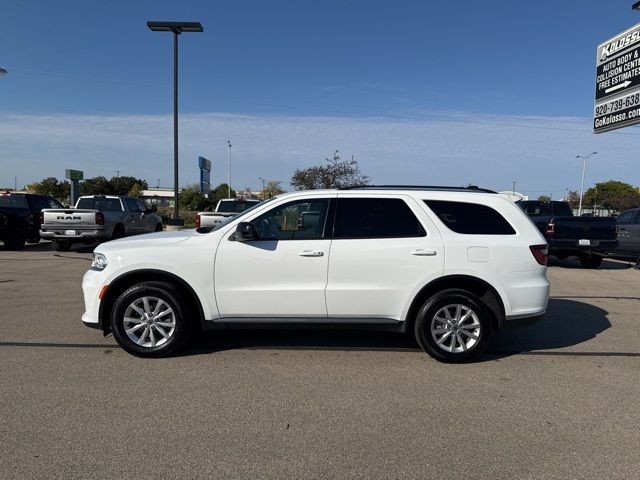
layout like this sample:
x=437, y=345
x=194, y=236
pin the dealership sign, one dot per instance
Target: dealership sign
x=618, y=82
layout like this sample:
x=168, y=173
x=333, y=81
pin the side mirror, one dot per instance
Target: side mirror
x=245, y=231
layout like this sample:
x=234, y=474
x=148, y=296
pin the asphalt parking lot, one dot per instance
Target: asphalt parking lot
x=559, y=399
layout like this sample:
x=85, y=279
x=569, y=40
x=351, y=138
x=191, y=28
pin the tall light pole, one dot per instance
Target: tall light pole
x=176, y=28
x=229, y=176
x=15, y=184
x=584, y=167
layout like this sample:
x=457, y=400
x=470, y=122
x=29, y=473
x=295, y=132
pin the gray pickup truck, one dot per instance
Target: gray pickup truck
x=97, y=218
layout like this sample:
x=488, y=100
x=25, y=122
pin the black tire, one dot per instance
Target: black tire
x=15, y=239
x=177, y=337
x=436, y=305
x=159, y=227
x=590, y=260
x=61, y=245
x=118, y=232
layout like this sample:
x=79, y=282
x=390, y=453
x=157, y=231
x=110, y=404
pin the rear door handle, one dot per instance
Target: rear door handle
x=421, y=252
x=310, y=253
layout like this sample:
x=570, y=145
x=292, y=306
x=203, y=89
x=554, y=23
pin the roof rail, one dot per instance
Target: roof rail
x=470, y=188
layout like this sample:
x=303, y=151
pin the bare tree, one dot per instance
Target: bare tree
x=337, y=173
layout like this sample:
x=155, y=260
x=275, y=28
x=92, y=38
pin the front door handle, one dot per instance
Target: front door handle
x=310, y=253
x=421, y=252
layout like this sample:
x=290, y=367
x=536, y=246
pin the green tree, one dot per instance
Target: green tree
x=220, y=192
x=123, y=185
x=53, y=187
x=612, y=194
x=192, y=199
x=336, y=173
x=136, y=190
x=544, y=198
x=96, y=186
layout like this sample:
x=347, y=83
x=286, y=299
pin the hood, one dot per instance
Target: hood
x=148, y=240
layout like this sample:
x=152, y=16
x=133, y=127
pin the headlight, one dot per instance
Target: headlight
x=99, y=262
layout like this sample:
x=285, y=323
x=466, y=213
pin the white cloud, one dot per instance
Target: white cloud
x=444, y=148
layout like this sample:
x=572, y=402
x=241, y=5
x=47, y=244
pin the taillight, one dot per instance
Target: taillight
x=198, y=221
x=551, y=228
x=540, y=253
x=41, y=218
x=99, y=218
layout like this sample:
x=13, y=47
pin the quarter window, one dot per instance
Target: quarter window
x=298, y=220
x=470, y=218
x=376, y=218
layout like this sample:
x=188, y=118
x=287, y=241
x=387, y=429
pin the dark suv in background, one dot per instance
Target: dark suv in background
x=20, y=218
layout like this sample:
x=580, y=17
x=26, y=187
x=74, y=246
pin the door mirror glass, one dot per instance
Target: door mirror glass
x=245, y=231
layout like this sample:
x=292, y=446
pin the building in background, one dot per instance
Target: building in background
x=161, y=197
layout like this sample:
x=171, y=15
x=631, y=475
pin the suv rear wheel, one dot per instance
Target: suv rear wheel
x=453, y=326
x=590, y=260
x=149, y=320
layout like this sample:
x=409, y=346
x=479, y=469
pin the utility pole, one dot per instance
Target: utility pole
x=158, y=183
x=229, y=176
x=118, y=173
x=15, y=184
x=514, y=187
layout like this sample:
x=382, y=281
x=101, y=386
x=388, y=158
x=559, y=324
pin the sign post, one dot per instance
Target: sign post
x=75, y=176
x=617, y=101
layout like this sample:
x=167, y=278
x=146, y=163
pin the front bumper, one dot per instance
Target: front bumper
x=92, y=283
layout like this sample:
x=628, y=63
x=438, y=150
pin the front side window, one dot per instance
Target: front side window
x=376, y=218
x=470, y=218
x=297, y=220
x=627, y=217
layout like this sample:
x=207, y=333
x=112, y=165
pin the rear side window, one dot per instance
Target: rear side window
x=470, y=218
x=13, y=201
x=375, y=218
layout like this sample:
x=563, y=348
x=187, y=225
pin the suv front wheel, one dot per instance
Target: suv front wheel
x=148, y=320
x=453, y=326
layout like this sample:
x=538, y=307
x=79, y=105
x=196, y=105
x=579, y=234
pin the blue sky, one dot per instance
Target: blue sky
x=418, y=91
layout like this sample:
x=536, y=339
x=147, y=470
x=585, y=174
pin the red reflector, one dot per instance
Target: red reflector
x=99, y=218
x=540, y=253
x=103, y=291
x=198, y=221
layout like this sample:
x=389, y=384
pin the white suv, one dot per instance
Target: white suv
x=450, y=264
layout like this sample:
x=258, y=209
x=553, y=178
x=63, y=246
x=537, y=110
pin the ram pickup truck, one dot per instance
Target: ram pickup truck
x=20, y=218
x=226, y=208
x=98, y=218
x=588, y=238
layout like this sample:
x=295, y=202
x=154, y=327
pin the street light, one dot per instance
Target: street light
x=176, y=28
x=584, y=167
x=229, y=177
x=635, y=6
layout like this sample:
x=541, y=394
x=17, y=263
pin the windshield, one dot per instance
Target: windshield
x=100, y=203
x=235, y=206
x=232, y=219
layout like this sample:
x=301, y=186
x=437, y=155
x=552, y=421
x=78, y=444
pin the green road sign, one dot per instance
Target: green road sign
x=74, y=174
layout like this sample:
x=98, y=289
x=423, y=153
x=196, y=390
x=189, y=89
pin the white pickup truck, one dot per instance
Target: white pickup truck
x=226, y=208
x=97, y=218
